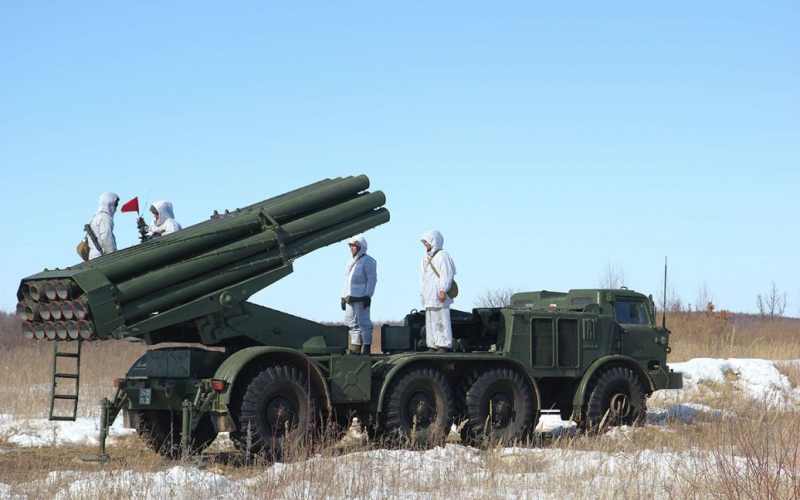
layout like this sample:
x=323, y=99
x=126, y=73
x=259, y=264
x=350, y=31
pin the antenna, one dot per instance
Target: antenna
x=146, y=201
x=664, y=310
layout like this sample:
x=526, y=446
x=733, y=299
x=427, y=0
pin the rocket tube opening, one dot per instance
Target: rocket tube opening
x=44, y=311
x=27, y=330
x=21, y=311
x=49, y=290
x=72, y=329
x=50, y=330
x=79, y=309
x=66, y=310
x=62, y=290
x=36, y=291
x=55, y=311
x=38, y=331
x=61, y=330
x=31, y=312
x=26, y=291
x=85, y=330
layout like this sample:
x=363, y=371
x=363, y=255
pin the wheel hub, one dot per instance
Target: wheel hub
x=620, y=406
x=421, y=409
x=279, y=413
x=502, y=410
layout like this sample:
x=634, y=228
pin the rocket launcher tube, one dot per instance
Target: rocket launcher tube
x=196, y=238
x=294, y=193
x=65, y=289
x=31, y=312
x=35, y=290
x=50, y=330
x=44, y=311
x=49, y=289
x=201, y=237
x=218, y=279
x=66, y=310
x=205, y=236
x=176, y=273
x=27, y=330
x=55, y=311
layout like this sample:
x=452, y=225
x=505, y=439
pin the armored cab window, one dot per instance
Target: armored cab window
x=630, y=312
x=582, y=301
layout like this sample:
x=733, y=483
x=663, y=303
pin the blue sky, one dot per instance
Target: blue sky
x=546, y=142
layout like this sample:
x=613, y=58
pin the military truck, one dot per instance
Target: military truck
x=267, y=377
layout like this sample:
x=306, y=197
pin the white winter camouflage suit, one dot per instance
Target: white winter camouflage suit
x=103, y=226
x=361, y=276
x=165, y=223
x=438, y=330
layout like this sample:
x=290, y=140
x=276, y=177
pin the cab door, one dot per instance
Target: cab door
x=638, y=334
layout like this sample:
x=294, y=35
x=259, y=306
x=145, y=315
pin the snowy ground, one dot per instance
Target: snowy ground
x=412, y=474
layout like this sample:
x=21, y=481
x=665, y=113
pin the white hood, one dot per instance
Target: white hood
x=436, y=240
x=164, y=212
x=362, y=243
x=107, y=204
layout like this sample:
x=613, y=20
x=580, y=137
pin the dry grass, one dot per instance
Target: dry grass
x=750, y=452
x=721, y=335
x=27, y=372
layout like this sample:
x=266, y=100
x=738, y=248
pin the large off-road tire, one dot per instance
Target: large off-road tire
x=500, y=405
x=420, y=406
x=161, y=430
x=616, y=398
x=277, y=406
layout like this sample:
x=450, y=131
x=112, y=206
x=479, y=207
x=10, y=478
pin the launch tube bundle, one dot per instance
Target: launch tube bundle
x=204, y=268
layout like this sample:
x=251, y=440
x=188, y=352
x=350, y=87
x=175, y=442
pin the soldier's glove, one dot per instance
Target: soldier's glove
x=344, y=307
x=367, y=302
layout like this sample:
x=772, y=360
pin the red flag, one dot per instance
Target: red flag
x=131, y=206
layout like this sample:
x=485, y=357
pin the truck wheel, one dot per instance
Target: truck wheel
x=420, y=405
x=276, y=406
x=616, y=398
x=161, y=430
x=500, y=404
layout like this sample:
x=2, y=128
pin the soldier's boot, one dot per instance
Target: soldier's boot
x=366, y=349
x=355, y=348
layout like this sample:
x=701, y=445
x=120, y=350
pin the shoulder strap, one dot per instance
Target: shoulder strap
x=93, y=237
x=430, y=263
x=356, y=261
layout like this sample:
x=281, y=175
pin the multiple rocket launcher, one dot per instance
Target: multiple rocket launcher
x=113, y=296
x=45, y=316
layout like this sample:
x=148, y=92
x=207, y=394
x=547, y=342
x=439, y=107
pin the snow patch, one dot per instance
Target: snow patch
x=42, y=432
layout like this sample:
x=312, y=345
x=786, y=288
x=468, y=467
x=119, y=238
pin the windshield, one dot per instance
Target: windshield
x=630, y=312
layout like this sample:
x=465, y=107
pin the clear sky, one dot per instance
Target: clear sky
x=546, y=141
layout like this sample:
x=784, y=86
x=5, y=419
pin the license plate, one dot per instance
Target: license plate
x=145, y=396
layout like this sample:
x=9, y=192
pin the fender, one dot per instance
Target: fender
x=580, y=393
x=406, y=360
x=230, y=368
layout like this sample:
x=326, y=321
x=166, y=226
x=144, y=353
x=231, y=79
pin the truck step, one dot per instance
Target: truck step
x=66, y=375
x=71, y=397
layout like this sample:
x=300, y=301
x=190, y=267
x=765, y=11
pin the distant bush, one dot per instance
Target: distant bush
x=722, y=334
x=10, y=333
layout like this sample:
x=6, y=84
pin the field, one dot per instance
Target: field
x=731, y=433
